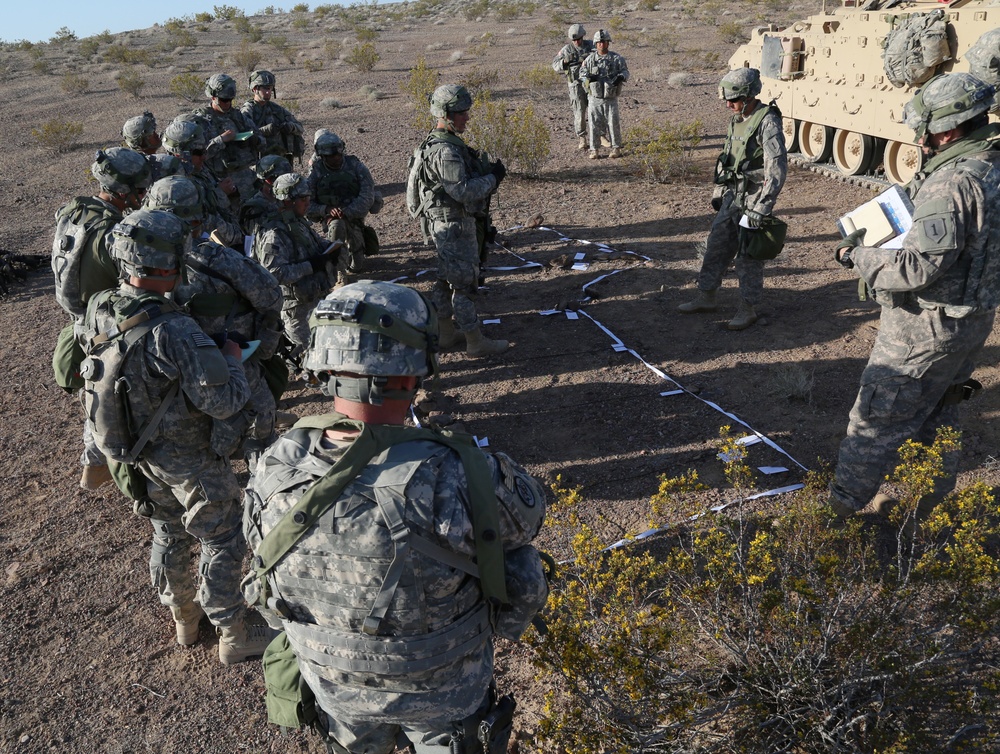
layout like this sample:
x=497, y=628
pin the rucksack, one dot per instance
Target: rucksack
x=105, y=391
x=915, y=47
x=78, y=224
x=413, y=183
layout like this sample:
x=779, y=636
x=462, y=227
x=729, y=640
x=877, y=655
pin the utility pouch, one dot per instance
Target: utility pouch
x=497, y=725
x=767, y=241
x=290, y=701
x=131, y=482
x=66, y=360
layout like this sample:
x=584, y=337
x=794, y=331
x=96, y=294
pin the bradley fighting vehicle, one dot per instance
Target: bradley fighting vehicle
x=842, y=77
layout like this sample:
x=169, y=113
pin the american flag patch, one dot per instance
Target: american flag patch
x=201, y=340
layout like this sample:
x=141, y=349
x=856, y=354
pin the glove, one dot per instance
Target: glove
x=619, y=80
x=499, y=171
x=716, y=203
x=754, y=219
x=319, y=261
x=287, y=128
x=267, y=129
x=842, y=252
x=565, y=65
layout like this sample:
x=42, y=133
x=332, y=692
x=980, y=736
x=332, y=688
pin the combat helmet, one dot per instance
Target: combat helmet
x=576, y=31
x=120, y=170
x=149, y=239
x=177, y=194
x=262, y=78
x=375, y=329
x=601, y=36
x=947, y=101
x=136, y=129
x=450, y=98
x=183, y=136
x=165, y=164
x=741, y=83
x=326, y=142
x=220, y=85
x=271, y=167
x=291, y=186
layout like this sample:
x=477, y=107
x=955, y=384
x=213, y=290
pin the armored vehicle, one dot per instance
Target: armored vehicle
x=842, y=77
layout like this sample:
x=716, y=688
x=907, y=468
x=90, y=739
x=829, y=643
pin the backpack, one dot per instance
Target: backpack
x=414, y=193
x=105, y=391
x=915, y=47
x=78, y=224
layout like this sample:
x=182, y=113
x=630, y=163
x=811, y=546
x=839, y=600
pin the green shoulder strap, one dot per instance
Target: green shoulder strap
x=372, y=440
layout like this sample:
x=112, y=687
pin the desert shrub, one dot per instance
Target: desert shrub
x=679, y=79
x=105, y=37
x=269, y=10
x=251, y=31
x=247, y=56
x=549, y=34
x=322, y=11
x=365, y=34
x=281, y=46
x=89, y=47
x=300, y=8
x=63, y=34
x=58, y=135
x=648, y=5
x=480, y=80
x=292, y=105
x=226, y=12
x=539, y=78
x=419, y=86
x=187, y=86
x=121, y=53
x=312, y=65
x=511, y=9
x=476, y=9
x=616, y=23
x=41, y=66
x=331, y=102
x=485, y=42
x=331, y=48
x=743, y=635
x=456, y=56
x=792, y=381
x=131, y=82
x=180, y=38
x=731, y=32
x=24, y=45
x=301, y=23
x=74, y=83
x=204, y=18
x=371, y=93
x=36, y=52
x=662, y=151
x=363, y=57
x=520, y=138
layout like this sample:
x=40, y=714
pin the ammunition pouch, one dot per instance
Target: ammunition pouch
x=492, y=730
x=963, y=391
x=767, y=241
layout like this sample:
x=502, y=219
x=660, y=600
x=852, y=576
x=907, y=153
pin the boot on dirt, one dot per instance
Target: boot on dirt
x=616, y=152
x=703, y=302
x=95, y=477
x=448, y=336
x=605, y=142
x=186, y=620
x=745, y=316
x=883, y=505
x=841, y=513
x=582, y=144
x=244, y=639
x=479, y=345
x=284, y=419
x=594, y=154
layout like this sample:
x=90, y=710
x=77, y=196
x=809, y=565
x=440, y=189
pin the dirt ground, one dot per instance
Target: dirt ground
x=87, y=657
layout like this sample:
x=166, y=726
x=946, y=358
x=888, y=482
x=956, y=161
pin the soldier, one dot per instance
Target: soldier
x=139, y=133
x=343, y=194
x=299, y=258
x=939, y=293
x=180, y=387
x=449, y=187
x=281, y=130
x=568, y=61
x=381, y=602
x=82, y=262
x=603, y=73
x=231, y=297
x=749, y=175
x=262, y=206
x=233, y=139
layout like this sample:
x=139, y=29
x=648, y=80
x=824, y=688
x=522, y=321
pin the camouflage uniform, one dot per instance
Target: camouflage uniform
x=233, y=297
x=193, y=492
x=350, y=189
x=599, y=72
x=329, y=580
x=568, y=61
x=938, y=295
x=284, y=128
x=460, y=191
x=230, y=159
x=764, y=180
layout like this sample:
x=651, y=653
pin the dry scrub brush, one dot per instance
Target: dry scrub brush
x=519, y=137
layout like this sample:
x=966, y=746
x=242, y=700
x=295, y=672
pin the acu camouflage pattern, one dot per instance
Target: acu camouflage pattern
x=193, y=492
x=938, y=295
x=573, y=57
x=598, y=73
x=286, y=131
x=234, y=158
x=432, y=659
x=351, y=190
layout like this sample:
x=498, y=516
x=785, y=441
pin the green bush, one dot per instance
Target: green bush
x=300, y=8
x=247, y=57
x=475, y=9
x=188, y=86
x=520, y=138
x=63, y=34
x=663, y=151
x=731, y=32
x=512, y=9
x=41, y=66
x=312, y=65
x=331, y=48
x=74, y=83
x=540, y=78
x=105, y=37
x=480, y=80
x=281, y=46
x=120, y=53
x=421, y=83
x=227, y=12
x=89, y=47
x=301, y=23
x=131, y=82
x=362, y=57
x=58, y=135
x=365, y=34
x=322, y=11
x=204, y=18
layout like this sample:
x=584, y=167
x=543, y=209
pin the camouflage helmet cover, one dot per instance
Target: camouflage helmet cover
x=601, y=36
x=165, y=164
x=261, y=78
x=183, y=136
x=373, y=328
x=137, y=129
x=947, y=101
x=220, y=85
x=448, y=99
x=120, y=170
x=741, y=83
x=327, y=142
x=576, y=31
x=272, y=166
x=177, y=194
x=149, y=239
x=291, y=186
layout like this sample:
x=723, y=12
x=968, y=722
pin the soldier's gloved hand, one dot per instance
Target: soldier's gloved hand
x=499, y=171
x=842, y=252
x=716, y=203
x=287, y=128
x=318, y=262
x=754, y=219
x=565, y=65
x=267, y=129
x=619, y=80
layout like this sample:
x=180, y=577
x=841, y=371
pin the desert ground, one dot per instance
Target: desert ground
x=87, y=657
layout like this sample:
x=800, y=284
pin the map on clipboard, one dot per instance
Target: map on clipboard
x=886, y=219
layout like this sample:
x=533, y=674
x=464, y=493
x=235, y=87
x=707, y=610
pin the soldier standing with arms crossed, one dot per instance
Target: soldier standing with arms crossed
x=568, y=61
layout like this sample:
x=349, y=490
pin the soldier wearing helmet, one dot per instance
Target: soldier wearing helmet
x=299, y=258
x=83, y=264
x=262, y=206
x=938, y=292
x=180, y=384
x=568, y=61
x=343, y=195
x=603, y=74
x=449, y=188
x=394, y=635
x=233, y=140
x=281, y=131
x=139, y=133
x=749, y=175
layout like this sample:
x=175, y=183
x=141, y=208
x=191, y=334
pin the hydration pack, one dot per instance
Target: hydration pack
x=916, y=46
x=78, y=224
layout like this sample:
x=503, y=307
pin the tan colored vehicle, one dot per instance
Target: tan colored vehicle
x=829, y=78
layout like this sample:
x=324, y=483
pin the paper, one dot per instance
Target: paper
x=580, y=256
x=580, y=266
x=772, y=469
x=749, y=440
x=570, y=314
x=249, y=350
x=745, y=223
x=886, y=219
x=248, y=245
x=243, y=136
x=671, y=392
x=491, y=321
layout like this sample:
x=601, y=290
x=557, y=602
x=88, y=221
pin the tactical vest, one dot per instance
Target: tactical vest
x=425, y=196
x=206, y=306
x=80, y=225
x=576, y=58
x=735, y=163
x=337, y=188
x=234, y=155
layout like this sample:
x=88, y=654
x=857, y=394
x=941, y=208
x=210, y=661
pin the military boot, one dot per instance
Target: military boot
x=186, y=620
x=478, y=345
x=745, y=316
x=95, y=477
x=284, y=419
x=582, y=144
x=883, y=505
x=594, y=154
x=616, y=152
x=448, y=336
x=841, y=513
x=704, y=302
x=244, y=639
